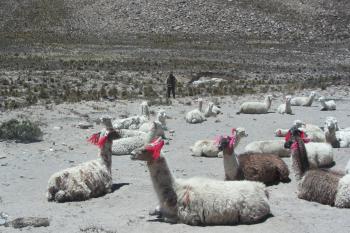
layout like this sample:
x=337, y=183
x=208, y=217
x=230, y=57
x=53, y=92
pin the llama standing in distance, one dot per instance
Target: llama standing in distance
x=190, y=201
x=303, y=101
x=208, y=148
x=196, y=116
x=256, y=107
x=89, y=179
x=317, y=185
x=286, y=107
x=266, y=168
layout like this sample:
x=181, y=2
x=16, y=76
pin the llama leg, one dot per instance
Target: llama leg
x=156, y=211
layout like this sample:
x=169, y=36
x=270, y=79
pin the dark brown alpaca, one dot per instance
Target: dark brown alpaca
x=267, y=168
x=318, y=185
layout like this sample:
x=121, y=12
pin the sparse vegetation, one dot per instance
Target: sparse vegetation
x=95, y=229
x=22, y=131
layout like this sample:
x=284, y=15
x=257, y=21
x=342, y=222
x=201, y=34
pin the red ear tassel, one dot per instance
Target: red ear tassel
x=97, y=140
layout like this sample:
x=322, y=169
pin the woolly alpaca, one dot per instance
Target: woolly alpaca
x=90, y=179
x=126, y=145
x=209, y=110
x=275, y=147
x=160, y=118
x=266, y=168
x=327, y=105
x=303, y=101
x=314, y=133
x=286, y=107
x=196, y=115
x=208, y=148
x=190, y=201
x=134, y=122
x=256, y=107
x=318, y=185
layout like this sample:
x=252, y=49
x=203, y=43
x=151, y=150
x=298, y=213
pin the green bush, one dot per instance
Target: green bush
x=24, y=131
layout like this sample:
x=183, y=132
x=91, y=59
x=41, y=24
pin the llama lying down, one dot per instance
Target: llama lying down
x=191, y=201
x=89, y=179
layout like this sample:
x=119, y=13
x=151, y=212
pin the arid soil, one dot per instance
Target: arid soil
x=25, y=168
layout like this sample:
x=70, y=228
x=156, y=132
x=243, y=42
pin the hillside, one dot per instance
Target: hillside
x=110, y=20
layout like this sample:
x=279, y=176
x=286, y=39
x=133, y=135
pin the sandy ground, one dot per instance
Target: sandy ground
x=26, y=168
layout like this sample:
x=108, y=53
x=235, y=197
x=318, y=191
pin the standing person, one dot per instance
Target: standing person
x=171, y=84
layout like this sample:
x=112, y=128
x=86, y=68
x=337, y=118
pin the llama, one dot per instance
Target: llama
x=286, y=107
x=303, y=101
x=161, y=118
x=256, y=107
x=317, y=185
x=89, y=179
x=196, y=116
x=126, y=133
x=339, y=138
x=209, y=110
x=134, y=122
x=190, y=201
x=275, y=147
x=266, y=168
x=327, y=105
x=208, y=148
x=126, y=145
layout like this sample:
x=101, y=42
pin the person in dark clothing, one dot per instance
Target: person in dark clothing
x=171, y=84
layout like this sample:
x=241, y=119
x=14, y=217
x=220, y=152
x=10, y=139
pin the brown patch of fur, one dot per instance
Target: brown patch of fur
x=319, y=186
x=266, y=168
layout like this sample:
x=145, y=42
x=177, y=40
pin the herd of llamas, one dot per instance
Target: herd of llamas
x=241, y=197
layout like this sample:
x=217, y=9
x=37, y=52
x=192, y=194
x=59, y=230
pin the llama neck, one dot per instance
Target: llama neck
x=105, y=154
x=288, y=106
x=268, y=103
x=331, y=137
x=231, y=165
x=310, y=100
x=200, y=105
x=163, y=183
x=150, y=136
x=300, y=162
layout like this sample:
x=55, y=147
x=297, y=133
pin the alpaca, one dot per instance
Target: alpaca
x=286, y=107
x=256, y=107
x=317, y=185
x=303, y=101
x=275, y=147
x=126, y=145
x=196, y=115
x=191, y=201
x=209, y=110
x=313, y=132
x=327, y=105
x=126, y=133
x=339, y=138
x=134, y=122
x=89, y=179
x=161, y=118
x=266, y=168
x=208, y=148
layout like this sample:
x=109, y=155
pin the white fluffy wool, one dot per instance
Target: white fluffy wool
x=275, y=147
x=342, y=199
x=256, y=107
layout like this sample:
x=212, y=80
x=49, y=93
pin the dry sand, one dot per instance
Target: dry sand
x=25, y=169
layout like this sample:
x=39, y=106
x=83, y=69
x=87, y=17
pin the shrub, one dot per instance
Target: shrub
x=24, y=131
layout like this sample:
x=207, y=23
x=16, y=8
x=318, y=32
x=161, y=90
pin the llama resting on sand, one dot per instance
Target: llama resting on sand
x=196, y=116
x=126, y=145
x=317, y=185
x=191, y=201
x=286, y=107
x=266, y=168
x=338, y=138
x=303, y=101
x=160, y=118
x=89, y=179
x=256, y=107
x=275, y=147
x=327, y=105
x=208, y=148
x=134, y=122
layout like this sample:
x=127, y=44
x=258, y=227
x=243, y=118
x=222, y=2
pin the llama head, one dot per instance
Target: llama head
x=313, y=94
x=161, y=116
x=229, y=142
x=292, y=137
x=331, y=124
x=299, y=123
x=106, y=135
x=148, y=152
x=288, y=98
